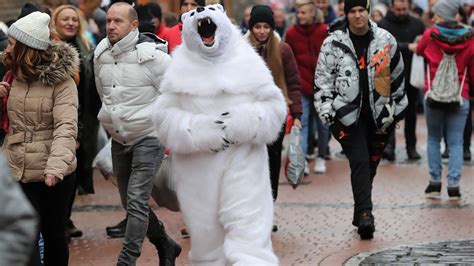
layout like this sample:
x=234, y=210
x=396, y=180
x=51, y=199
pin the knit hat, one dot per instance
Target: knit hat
x=32, y=30
x=349, y=4
x=27, y=9
x=447, y=9
x=261, y=13
x=199, y=2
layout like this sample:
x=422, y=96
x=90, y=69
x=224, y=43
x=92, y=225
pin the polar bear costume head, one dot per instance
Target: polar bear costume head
x=207, y=30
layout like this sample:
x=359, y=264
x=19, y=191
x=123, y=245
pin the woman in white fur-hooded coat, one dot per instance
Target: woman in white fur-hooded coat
x=218, y=109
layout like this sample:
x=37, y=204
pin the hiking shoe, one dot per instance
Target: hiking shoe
x=366, y=226
x=453, y=193
x=118, y=230
x=320, y=166
x=413, y=155
x=433, y=191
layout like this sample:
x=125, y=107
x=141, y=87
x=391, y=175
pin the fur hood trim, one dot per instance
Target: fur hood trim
x=65, y=64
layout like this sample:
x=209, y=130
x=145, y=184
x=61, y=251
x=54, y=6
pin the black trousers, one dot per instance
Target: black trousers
x=51, y=204
x=410, y=119
x=363, y=146
x=274, y=159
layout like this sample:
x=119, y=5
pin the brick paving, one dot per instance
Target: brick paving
x=314, y=220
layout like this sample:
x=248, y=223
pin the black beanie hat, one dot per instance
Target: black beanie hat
x=199, y=2
x=261, y=13
x=27, y=9
x=349, y=4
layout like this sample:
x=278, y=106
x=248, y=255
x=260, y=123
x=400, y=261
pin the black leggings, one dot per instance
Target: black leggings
x=274, y=158
x=51, y=204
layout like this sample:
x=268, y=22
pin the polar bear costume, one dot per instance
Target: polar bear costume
x=218, y=109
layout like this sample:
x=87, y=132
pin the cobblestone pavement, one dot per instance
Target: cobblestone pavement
x=446, y=253
x=314, y=220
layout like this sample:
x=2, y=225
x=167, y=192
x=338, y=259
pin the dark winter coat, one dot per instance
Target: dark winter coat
x=89, y=106
x=306, y=41
x=292, y=78
x=338, y=95
x=405, y=30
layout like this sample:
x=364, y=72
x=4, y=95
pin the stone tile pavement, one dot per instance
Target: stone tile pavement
x=315, y=220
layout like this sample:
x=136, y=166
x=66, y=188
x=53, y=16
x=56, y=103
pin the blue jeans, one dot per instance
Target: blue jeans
x=454, y=122
x=310, y=121
x=135, y=167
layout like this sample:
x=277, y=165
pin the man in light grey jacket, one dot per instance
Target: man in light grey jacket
x=128, y=69
x=18, y=220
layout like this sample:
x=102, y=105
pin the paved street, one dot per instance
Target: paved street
x=315, y=220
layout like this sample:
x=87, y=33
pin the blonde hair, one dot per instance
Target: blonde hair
x=81, y=31
x=317, y=13
x=272, y=56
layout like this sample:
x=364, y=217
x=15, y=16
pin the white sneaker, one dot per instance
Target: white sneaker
x=320, y=166
x=306, y=169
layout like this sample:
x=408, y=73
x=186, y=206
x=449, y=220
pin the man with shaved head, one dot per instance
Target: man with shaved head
x=128, y=68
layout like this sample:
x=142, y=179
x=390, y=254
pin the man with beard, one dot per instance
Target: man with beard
x=405, y=29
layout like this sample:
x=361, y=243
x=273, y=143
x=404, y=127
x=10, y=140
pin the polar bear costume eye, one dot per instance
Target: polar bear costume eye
x=207, y=29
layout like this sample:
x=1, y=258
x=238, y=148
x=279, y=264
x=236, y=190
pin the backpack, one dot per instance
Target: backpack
x=445, y=92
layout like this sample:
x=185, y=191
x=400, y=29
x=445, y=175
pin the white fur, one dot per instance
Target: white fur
x=225, y=196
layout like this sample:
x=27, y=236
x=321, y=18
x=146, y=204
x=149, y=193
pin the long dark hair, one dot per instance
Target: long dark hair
x=23, y=61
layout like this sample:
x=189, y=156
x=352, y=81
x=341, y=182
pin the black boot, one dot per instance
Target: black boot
x=366, y=225
x=168, y=249
x=389, y=153
x=413, y=155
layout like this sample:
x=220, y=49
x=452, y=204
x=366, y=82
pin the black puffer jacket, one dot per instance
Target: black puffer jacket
x=405, y=30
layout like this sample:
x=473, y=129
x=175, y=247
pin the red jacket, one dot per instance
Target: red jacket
x=162, y=32
x=430, y=47
x=306, y=41
x=173, y=37
x=3, y=104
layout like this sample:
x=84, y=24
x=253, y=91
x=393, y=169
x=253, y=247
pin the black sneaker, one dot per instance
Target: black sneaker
x=467, y=155
x=445, y=154
x=433, y=191
x=366, y=226
x=118, y=230
x=453, y=193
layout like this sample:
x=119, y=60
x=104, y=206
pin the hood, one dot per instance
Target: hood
x=451, y=45
x=64, y=64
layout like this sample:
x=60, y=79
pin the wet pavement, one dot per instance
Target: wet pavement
x=314, y=220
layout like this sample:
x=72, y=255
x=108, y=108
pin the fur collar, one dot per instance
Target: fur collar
x=65, y=64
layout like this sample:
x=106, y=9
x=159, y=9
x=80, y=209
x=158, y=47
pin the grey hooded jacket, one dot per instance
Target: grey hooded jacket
x=337, y=93
x=17, y=220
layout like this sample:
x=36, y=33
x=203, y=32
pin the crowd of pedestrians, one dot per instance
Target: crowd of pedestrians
x=344, y=68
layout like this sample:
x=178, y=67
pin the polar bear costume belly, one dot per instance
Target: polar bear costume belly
x=218, y=109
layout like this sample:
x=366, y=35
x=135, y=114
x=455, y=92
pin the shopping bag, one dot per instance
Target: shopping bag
x=417, y=74
x=103, y=160
x=164, y=190
x=295, y=160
